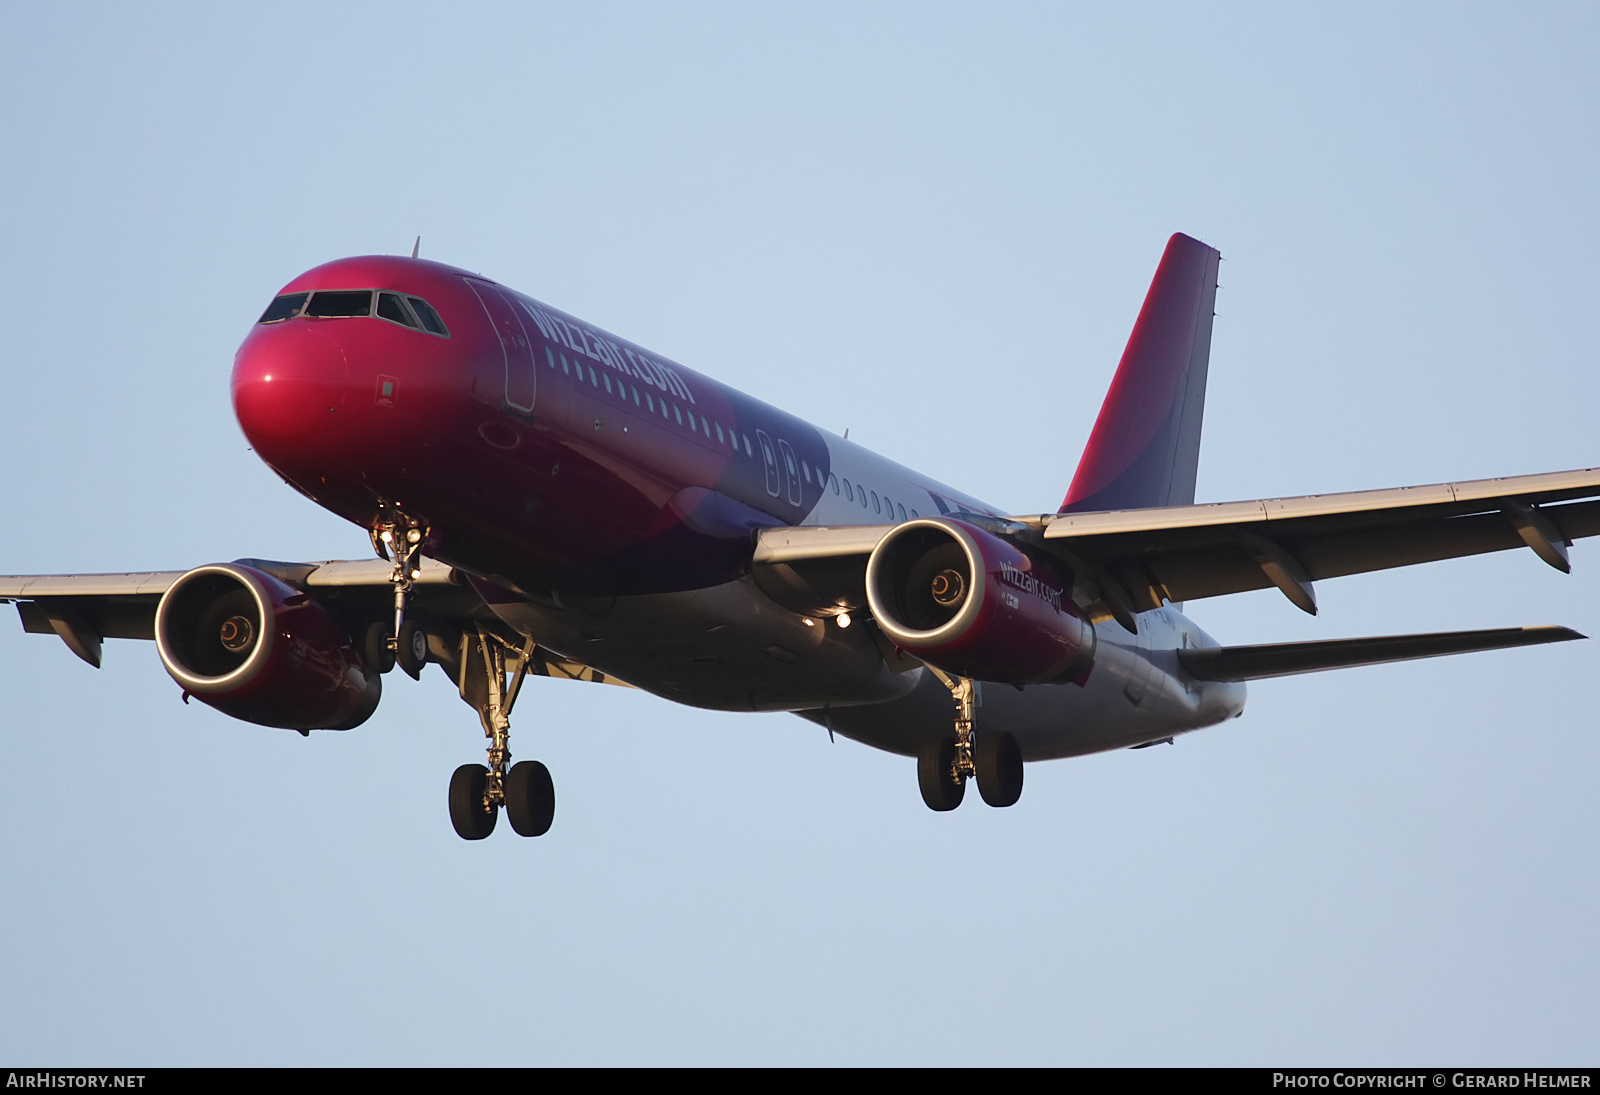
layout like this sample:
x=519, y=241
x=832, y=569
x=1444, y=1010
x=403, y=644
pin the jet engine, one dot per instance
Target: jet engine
x=977, y=606
x=255, y=648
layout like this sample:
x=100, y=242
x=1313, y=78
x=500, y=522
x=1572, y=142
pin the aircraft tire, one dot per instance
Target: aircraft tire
x=530, y=798
x=375, y=648
x=942, y=786
x=471, y=818
x=998, y=759
x=413, y=652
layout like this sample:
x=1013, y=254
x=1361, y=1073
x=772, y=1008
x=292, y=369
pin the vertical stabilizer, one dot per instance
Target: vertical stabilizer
x=1145, y=448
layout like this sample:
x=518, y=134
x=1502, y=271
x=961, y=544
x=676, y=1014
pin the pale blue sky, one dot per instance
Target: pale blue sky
x=933, y=224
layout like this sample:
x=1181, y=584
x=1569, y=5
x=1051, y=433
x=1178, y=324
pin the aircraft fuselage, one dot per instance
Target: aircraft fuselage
x=605, y=498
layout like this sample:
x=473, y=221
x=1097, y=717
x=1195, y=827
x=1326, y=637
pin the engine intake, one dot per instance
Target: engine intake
x=255, y=648
x=974, y=605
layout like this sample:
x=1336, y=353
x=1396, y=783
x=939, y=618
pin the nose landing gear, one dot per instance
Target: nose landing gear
x=945, y=764
x=406, y=644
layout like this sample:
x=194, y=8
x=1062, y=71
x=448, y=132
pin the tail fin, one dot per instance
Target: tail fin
x=1145, y=448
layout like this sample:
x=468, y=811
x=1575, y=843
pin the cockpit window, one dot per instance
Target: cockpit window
x=285, y=307
x=391, y=308
x=340, y=304
x=407, y=311
x=430, y=318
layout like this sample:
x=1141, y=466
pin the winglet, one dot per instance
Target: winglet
x=1145, y=447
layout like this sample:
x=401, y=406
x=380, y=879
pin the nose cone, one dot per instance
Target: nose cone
x=299, y=400
x=289, y=384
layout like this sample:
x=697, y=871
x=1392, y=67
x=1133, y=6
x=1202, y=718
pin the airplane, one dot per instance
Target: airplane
x=545, y=498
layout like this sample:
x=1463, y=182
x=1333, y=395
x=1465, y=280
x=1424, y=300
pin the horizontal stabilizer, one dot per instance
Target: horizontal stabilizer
x=1249, y=663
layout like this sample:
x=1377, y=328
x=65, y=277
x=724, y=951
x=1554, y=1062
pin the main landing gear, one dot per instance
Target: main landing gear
x=477, y=791
x=993, y=757
x=490, y=672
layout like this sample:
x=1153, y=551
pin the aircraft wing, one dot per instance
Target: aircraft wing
x=85, y=609
x=1142, y=557
x=1187, y=553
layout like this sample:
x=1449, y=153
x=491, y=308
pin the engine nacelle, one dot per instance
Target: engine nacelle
x=252, y=647
x=974, y=605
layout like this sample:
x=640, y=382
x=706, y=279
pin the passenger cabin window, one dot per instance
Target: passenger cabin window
x=340, y=304
x=902, y=510
x=285, y=307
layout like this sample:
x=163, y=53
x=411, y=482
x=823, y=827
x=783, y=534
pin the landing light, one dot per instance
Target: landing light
x=844, y=619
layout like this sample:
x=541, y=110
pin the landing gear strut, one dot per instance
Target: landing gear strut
x=993, y=758
x=477, y=791
x=490, y=675
x=406, y=645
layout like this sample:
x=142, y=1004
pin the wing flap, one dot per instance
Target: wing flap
x=1249, y=663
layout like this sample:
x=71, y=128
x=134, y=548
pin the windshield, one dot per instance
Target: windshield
x=285, y=307
x=340, y=304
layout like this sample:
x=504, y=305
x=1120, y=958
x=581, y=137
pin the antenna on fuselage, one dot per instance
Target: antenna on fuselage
x=415, y=247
